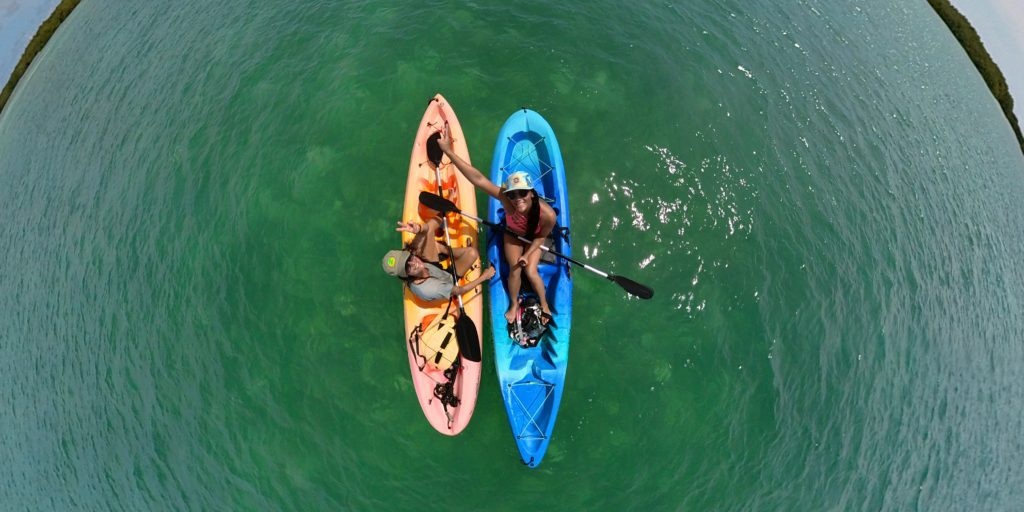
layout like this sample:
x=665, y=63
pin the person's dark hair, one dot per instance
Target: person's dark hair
x=408, y=279
x=533, y=216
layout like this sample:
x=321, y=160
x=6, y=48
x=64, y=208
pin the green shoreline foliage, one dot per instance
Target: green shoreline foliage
x=46, y=30
x=971, y=42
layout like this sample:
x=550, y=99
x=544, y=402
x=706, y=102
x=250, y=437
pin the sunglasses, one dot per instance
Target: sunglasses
x=517, y=194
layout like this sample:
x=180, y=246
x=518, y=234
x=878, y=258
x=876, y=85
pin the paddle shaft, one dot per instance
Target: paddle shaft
x=447, y=237
x=443, y=205
x=543, y=247
x=465, y=328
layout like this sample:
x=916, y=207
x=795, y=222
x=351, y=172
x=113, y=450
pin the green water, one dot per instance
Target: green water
x=195, y=197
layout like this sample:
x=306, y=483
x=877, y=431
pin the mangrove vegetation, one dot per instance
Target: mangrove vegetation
x=971, y=42
x=36, y=45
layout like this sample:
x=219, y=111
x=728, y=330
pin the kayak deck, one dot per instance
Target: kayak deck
x=463, y=232
x=532, y=379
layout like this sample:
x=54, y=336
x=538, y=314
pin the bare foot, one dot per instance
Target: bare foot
x=512, y=313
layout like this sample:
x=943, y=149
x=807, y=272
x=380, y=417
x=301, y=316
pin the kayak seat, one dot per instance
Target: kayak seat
x=551, y=243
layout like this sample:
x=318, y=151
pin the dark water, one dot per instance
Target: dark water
x=195, y=197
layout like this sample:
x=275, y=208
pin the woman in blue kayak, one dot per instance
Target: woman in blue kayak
x=525, y=214
x=418, y=264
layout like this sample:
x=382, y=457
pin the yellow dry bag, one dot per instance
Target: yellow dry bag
x=438, y=345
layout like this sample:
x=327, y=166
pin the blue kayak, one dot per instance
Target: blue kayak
x=532, y=379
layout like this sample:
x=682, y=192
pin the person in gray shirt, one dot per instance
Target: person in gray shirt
x=418, y=264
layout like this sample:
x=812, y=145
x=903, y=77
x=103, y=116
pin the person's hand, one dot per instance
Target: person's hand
x=445, y=142
x=408, y=227
x=523, y=261
x=488, y=273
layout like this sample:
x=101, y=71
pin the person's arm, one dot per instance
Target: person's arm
x=421, y=233
x=471, y=173
x=484, y=276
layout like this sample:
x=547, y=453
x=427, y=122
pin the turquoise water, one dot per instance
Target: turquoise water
x=823, y=196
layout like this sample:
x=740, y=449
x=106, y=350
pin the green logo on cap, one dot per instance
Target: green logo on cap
x=391, y=261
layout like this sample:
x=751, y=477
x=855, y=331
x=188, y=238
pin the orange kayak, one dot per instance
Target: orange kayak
x=448, y=407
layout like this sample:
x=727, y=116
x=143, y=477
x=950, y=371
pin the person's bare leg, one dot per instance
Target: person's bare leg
x=423, y=244
x=465, y=259
x=533, y=274
x=513, y=250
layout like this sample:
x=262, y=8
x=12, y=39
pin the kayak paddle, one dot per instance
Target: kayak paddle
x=436, y=202
x=465, y=329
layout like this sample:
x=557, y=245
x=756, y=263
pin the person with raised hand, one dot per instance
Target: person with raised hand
x=526, y=214
x=418, y=263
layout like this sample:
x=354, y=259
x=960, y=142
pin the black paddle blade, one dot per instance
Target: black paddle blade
x=434, y=153
x=436, y=202
x=632, y=287
x=469, y=342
